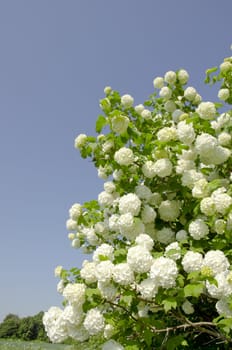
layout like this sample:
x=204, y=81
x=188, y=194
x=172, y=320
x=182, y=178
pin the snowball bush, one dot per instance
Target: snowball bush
x=158, y=236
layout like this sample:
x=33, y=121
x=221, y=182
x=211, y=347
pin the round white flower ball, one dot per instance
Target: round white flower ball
x=181, y=235
x=139, y=108
x=216, y=261
x=170, y=77
x=224, y=139
x=169, y=210
x=163, y=167
x=80, y=141
x=127, y=101
x=192, y=261
x=225, y=67
x=164, y=271
x=206, y=110
x=120, y=123
x=158, y=82
x=148, y=214
x=75, y=211
x=124, y=156
x=139, y=259
x=165, y=93
x=165, y=235
x=105, y=250
x=223, y=94
x=198, y=229
x=94, y=321
x=207, y=206
x=146, y=114
x=129, y=203
x=123, y=274
x=190, y=93
x=183, y=76
x=145, y=241
x=148, y=169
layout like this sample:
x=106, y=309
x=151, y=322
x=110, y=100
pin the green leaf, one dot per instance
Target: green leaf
x=193, y=290
x=211, y=70
x=148, y=336
x=100, y=123
x=169, y=303
x=174, y=342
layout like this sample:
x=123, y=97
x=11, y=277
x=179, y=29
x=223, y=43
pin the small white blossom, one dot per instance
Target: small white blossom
x=220, y=226
x=107, y=290
x=165, y=93
x=164, y=271
x=124, y=156
x=80, y=141
x=104, y=270
x=139, y=108
x=123, y=274
x=127, y=101
x=170, y=77
x=216, y=261
x=183, y=76
x=146, y=114
x=192, y=261
x=224, y=139
x=206, y=110
x=158, y=82
x=167, y=134
x=169, y=210
x=145, y=241
x=223, y=94
x=170, y=106
x=94, y=321
x=190, y=93
x=163, y=167
x=148, y=214
x=148, y=288
x=75, y=293
x=120, y=123
x=181, y=235
x=143, y=192
x=105, y=250
x=185, y=132
x=198, y=229
x=129, y=203
x=165, y=235
x=139, y=259
x=87, y=271
x=149, y=169
x=207, y=206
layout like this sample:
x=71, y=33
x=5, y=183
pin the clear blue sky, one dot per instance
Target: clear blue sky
x=56, y=57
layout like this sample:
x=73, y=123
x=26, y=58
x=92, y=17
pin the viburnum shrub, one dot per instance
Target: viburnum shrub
x=159, y=236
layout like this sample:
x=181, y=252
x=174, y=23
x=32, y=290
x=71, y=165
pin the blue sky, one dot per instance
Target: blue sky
x=56, y=57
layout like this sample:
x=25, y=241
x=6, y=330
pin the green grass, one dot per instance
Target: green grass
x=21, y=345
x=6, y=344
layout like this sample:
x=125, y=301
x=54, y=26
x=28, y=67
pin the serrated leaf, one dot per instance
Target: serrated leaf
x=174, y=342
x=193, y=290
x=100, y=123
x=169, y=303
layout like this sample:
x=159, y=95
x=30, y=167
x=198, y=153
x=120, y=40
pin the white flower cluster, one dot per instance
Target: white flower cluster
x=166, y=202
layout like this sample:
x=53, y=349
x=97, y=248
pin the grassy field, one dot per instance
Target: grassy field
x=20, y=345
x=6, y=344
